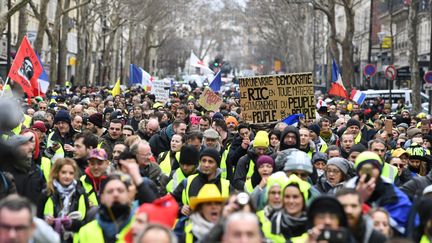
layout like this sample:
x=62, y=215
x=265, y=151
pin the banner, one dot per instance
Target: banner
x=209, y=100
x=161, y=89
x=272, y=98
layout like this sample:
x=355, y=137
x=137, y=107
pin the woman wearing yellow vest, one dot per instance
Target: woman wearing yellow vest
x=206, y=211
x=168, y=161
x=63, y=198
x=266, y=166
x=290, y=223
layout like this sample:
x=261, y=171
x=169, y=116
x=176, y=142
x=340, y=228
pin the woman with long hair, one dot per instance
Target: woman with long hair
x=64, y=204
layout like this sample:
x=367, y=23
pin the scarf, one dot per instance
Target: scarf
x=288, y=226
x=112, y=226
x=200, y=226
x=65, y=195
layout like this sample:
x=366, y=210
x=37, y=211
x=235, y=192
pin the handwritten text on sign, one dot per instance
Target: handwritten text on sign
x=209, y=100
x=272, y=98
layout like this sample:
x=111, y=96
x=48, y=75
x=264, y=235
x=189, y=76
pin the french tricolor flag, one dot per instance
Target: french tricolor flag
x=357, y=96
x=139, y=76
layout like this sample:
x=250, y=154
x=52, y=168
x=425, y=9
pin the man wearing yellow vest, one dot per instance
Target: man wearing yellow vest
x=208, y=173
x=388, y=171
x=189, y=157
x=114, y=216
x=94, y=174
x=60, y=141
x=353, y=127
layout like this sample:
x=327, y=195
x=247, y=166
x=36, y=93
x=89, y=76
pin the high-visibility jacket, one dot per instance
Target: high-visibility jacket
x=165, y=164
x=59, y=153
x=189, y=237
x=91, y=193
x=177, y=178
x=223, y=163
x=389, y=171
x=46, y=167
x=92, y=233
x=225, y=188
x=49, y=207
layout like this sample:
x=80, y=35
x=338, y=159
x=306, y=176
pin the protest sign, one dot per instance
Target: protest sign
x=272, y=98
x=209, y=100
x=161, y=89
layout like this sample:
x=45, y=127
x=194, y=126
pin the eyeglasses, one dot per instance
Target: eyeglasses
x=17, y=228
x=302, y=175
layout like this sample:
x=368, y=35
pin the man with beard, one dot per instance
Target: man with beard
x=118, y=149
x=114, y=216
x=361, y=227
x=208, y=173
x=137, y=117
x=189, y=157
x=247, y=166
x=115, y=135
x=26, y=174
x=84, y=143
x=290, y=138
x=95, y=125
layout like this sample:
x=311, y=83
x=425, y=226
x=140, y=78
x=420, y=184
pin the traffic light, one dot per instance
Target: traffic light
x=215, y=64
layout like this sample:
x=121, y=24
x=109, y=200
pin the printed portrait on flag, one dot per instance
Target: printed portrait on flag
x=26, y=68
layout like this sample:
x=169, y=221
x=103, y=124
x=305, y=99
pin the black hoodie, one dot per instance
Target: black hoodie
x=289, y=129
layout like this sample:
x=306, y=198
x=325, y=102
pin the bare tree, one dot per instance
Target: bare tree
x=5, y=16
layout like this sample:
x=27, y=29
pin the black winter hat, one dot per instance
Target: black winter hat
x=62, y=115
x=96, y=119
x=353, y=122
x=357, y=148
x=189, y=155
x=327, y=204
x=212, y=153
x=315, y=128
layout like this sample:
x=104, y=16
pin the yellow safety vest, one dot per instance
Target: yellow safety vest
x=389, y=171
x=49, y=207
x=225, y=184
x=177, y=178
x=27, y=121
x=266, y=229
x=90, y=191
x=223, y=164
x=424, y=239
x=59, y=153
x=46, y=167
x=92, y=233
x=248, y=186
x=189, y=237
x=324, y=147
x=357, y=139
x=165, y=165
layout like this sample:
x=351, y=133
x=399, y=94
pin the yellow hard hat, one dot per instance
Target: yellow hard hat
x=208, y=193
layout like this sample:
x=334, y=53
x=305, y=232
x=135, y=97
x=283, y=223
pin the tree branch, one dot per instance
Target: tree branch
x=75, y=7
x=16, y=8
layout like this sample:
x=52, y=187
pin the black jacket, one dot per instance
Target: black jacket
x=416, y=185
x=198, y=182
x=243, y=168
x=159, y=142
x=365, y=232
x=7, y=184
x=108, y=144
x=67, y=139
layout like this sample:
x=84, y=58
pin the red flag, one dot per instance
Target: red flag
x=337, y=90
x=26, y=68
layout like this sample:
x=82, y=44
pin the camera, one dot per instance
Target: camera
x=242, y=199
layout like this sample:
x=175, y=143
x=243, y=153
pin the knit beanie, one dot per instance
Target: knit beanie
x=358, y=148
x=162, y=211
x=411, y=132
x=189, y=155
x=341, y=163
x=265, y=159
x=62, y=115
x=261, y=139
x=211, y=152
x=231, y=119
x=39, y=125
x=96, y=119
x=319, y=156
x=353, y=122
x=315, y=128
x=368, y=157
x=218, y=115
x=298, y=160
x=327, y=204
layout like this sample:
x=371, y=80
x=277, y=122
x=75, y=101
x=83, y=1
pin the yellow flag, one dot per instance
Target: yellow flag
x=116, y=89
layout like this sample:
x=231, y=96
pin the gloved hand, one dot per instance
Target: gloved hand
x=66, y=222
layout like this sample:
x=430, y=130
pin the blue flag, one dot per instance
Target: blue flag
x=43, y=79
x=216, y=83
x=139, y=76
x=293, y=119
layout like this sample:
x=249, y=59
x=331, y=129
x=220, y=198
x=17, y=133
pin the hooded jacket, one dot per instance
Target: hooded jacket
x=289, y=129
x=160, y=142
x=416, y=185
x=243, y=168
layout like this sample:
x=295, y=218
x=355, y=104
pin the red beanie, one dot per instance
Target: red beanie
x=163, y=211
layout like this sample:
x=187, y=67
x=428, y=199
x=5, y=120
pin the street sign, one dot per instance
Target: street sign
x=369, y=70
x=391, y=72
x=428, y=77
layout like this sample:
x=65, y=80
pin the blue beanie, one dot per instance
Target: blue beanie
x=62, y=115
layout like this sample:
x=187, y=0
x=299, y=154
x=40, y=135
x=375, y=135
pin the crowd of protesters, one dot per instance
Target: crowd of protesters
x=80, y=165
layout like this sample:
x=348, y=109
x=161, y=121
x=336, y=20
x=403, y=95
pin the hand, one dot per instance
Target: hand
x=133, y=170
x=314, y=233
x=49, y=219
x=365, y=188
x=230, y=207
x=55, y=146
x=69, y=148
x=185, y=210
x=263, y=182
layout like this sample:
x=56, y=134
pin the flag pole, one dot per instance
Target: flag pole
x=39, y=88
x=4, y=86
